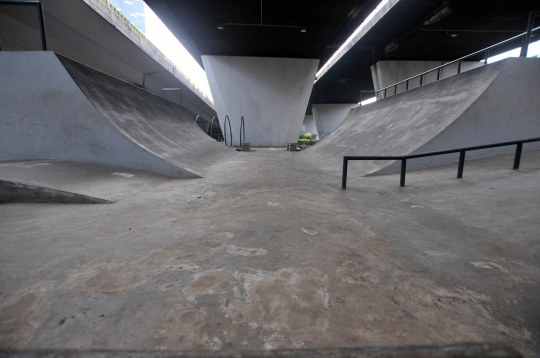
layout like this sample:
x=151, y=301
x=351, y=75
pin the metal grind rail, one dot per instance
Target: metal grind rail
x=461, y=163
x=524, y=46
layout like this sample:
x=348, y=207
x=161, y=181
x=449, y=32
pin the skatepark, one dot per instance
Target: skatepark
x=124, y=227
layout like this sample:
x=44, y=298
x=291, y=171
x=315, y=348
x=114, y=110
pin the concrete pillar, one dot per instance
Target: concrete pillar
x=309, y=125
x=271, y=93
x=387, y=73
x=329, y=116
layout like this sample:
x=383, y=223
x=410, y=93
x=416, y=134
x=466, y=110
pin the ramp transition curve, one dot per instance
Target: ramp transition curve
x=54, y=107
x=493, y=103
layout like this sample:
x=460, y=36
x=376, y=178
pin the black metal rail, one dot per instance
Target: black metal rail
x=242, y=129
x=211, y=134
x=41, y=18
x=526, y=36
x=461, y=163
x=227, y=119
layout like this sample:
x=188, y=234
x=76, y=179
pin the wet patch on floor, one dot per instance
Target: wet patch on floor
x=210, y=282
x=353, y=272
x=184, y=328
x=289, y=306
x=246, y=251
x=170, y=288
x=123, y=277
x=18, y=316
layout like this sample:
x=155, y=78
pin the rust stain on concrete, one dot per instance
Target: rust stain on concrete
x=245, y=251
x=209, y=282
x=184, y=327
x=290, y=306
x=18, y=316
x=123, y=277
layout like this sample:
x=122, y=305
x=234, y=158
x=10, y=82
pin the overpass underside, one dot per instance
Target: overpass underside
x=263, y=250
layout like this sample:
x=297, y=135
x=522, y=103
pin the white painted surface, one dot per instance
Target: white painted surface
x=270, y=93
x=46, y=115
x=329, y=116
x=387, y=73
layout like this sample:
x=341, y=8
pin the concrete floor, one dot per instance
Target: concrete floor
x=108, y=182
x=268, y=252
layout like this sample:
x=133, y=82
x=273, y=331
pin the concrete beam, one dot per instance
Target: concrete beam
x=270, y=93
x=309, y=125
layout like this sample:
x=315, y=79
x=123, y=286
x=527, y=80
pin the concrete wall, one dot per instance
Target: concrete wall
x=387, y=73
x=329, y=116
x=270, y=93
x=309, y=125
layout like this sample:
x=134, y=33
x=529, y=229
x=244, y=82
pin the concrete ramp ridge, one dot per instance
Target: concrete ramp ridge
x=54, y=107
x=490, y=104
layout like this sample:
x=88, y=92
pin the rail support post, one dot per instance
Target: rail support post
x=403, y=170
x=344, y=174
x=461, y=164
x=517, y=158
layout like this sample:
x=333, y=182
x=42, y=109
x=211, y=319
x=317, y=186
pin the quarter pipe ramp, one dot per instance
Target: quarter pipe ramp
x=54, y=107
x=493, y=103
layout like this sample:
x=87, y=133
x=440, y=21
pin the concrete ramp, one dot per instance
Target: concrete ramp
x=54, y=107
x=494, y=103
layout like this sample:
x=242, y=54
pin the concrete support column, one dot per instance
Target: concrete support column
x=329, y=116
x=270, y=93
x=387, y=73
x=309, y=125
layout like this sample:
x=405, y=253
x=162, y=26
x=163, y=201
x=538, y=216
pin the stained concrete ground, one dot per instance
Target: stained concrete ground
x=108, y=182
x=268, y=252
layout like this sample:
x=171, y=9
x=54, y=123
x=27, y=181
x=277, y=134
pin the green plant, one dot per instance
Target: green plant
x=307, y=135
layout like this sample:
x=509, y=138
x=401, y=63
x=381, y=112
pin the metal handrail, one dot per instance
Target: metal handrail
x=197, y=118
x=459, y=61
x=225, y=130
x=212, y=125
x=461, y=151
x=242, y=128
x=41, y=17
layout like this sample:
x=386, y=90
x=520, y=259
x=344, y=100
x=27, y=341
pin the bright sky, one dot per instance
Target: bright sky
x=533, y=51
x=160, y=36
